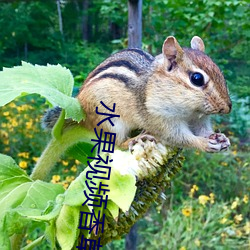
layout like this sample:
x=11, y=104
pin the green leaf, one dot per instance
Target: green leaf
x=53, y=82
x=14, y=198
x=113, y=209
x=122, y=189
x=45, y=216
x=74, y=195
x=39, y=194
x=20, y=198
x=81, y=151
x=9, y=168
x=11, y=183
x=14, y=223
x=50, y=234
x=67, y=226
x=4, y=240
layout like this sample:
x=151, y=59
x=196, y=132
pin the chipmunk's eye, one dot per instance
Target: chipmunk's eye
x=197, y=79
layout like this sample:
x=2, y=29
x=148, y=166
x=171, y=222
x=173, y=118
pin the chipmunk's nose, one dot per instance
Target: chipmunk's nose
x=227, y=108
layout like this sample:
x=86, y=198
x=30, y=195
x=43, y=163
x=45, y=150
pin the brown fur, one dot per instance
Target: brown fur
x=156, y=95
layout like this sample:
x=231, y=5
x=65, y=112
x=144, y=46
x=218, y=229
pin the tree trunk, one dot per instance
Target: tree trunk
x=131, y=238
x=135, y=23
x=85, y=20
x=59, y=16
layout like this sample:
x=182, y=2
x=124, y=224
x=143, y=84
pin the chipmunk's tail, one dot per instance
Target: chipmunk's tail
x=50, y=117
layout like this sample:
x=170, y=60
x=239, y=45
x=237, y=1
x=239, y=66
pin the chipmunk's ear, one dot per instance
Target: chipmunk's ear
x=197, y=43
x=171, y=49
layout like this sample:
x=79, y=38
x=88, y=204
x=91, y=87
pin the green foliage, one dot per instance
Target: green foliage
x=198, y=224
x=223, y=25
x=52, y=82
x=19, y=198
x=30, y=32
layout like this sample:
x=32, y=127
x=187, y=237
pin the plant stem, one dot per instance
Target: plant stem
x=57, y=147
x=52, y=153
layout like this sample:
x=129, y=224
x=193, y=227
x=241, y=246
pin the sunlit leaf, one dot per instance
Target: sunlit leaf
x=53, y=82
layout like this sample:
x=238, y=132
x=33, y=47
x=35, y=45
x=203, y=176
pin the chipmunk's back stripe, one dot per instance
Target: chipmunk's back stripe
x=118, y=77
x=118, y=63
x=142, y=53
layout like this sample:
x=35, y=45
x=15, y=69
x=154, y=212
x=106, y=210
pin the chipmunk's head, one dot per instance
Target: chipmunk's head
x=197, y=75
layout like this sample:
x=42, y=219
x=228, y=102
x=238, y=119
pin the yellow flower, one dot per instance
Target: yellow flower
x=77, y=162
x=12, y=105
x=55, y=178
x=73, y=168
x=35, y=159
x=197, y=242
x=23, y=164
x=211, y=195
x=193, y=190
x=24, y=154
x=6, y=113
x=234, y=152
x=245, y=199
x=65, y=185
x=14, y=123
x=6, y=141
x=70, y=178
x=183, y=248
x=223, y=220
x=247, y=227
x=187, y=211
x=203, y=199
x=4, y=134
x=224, y=164
x=29, y=124
x=235, y=203
x=238, y=218
x=65, y=163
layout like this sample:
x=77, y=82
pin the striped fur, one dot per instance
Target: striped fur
x=156, y=94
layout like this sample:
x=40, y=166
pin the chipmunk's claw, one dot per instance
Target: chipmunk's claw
x=141, y=139
x=218, y=142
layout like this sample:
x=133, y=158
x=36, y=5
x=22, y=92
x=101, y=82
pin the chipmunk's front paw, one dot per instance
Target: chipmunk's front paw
x=218, y=142
x=141, y=139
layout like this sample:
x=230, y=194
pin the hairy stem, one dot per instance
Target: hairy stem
x=56, y=147
x=52, y=153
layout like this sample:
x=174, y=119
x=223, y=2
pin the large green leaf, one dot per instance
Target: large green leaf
x=39, y=194
x=74, y=195
x=67, y=226
x=22, y=200
x=122, y=189
x=7, y=185
x=122, y=186
x=9, y=168
x=53, y=82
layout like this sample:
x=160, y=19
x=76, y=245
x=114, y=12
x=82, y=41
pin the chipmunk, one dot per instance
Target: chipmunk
x=169, y=97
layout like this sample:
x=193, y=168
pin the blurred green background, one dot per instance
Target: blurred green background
x=207, y=206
